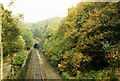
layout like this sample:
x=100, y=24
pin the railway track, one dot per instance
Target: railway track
x=33, y=72
x=39, y=69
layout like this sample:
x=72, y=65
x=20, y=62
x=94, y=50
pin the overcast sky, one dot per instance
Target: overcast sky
x=36, y=10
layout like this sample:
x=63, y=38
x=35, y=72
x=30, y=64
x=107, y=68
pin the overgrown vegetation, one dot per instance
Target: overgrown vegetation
x=83, y=45
x=18, y=66
x=17, y=41
x=86, y=43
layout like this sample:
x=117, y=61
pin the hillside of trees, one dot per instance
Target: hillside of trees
x=17, y=40
x=85, y=44
x=15, y=34
x=45, y=28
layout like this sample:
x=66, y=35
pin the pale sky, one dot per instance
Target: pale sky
x=37, y=10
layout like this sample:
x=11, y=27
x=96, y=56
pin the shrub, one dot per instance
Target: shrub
x=54, y=60
x=80, y=62
x=66, y=76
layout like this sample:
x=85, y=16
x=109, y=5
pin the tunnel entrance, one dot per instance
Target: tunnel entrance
x=36, y=45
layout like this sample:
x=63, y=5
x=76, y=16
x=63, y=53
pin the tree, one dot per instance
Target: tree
x=18, y=45
x=28, y=37
x=87, y=39
x=10, y=33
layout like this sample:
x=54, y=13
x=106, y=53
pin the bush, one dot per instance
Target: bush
x=113, y=57
x=66, y=76
x=80, y=62
x=18, y=61
x=54, y=60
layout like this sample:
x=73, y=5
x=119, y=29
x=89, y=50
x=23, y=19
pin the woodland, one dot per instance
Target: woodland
x=83, y=45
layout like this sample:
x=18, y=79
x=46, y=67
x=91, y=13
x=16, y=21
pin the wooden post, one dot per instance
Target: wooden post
x=1, y=49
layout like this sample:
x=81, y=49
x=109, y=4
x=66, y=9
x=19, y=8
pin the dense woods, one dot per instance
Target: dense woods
x=83, y=45
x=13, y=37
x=86, y=43
x=17, y=41
x=10, y=32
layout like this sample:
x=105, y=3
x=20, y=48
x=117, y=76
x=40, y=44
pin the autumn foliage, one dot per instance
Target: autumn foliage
x=86, y=43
